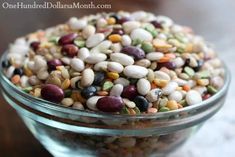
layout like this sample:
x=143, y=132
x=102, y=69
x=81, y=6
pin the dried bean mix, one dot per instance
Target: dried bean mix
x=122, y=65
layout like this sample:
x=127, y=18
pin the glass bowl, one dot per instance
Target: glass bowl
x=67, y=132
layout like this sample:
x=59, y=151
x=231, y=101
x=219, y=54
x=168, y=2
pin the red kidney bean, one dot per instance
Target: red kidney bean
x=70, y=50
x=110, y=104
x=52, y=64
x=35, y=45
x=136, y=52
x=52, y=93
x=206, y=96
x=129, y=92
x=67, y=39
x=117, y=31
x=168, y=65
x=122, y=20
x=157, y=24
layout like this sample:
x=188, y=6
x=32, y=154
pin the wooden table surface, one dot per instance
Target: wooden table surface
x=213, y=19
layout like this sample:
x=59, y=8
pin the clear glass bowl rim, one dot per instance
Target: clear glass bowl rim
x=59, y=108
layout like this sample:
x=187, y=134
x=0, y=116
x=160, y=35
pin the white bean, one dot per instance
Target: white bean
x=153, y=95
x=94, y=40
x=135, y=71
x=67, y=102
x=217, y=82
x=83, y=53
x=176, y=95
x=126, y=40
x=122, y=81
x=115, y=67
x=130, y=25
x=179, y=62
x=122, y=58
x=143, y=86
x=77, y=64
x=78, y=105
x=101, y=66
x=162, y=75
x=169, y=88
x=95, y=58
x=91, y=102
x=116, y=90
x=87, y=77
x=42, y=74
x=75, y=23
x=154, y=56
x=143, y=62
x=141, y=34
x=102, y=47
x=10, y=71
x=129, y=103
x=88, y=31
x=24, y=81
x=193, y=97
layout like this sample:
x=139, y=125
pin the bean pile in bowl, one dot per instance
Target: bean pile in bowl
x=116, y=64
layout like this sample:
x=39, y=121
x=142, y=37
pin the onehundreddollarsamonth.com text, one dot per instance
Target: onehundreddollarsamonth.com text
x=55, y=5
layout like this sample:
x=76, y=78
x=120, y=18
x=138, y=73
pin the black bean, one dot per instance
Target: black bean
x=18, y=71
x=99, y=78
x=199, y=65
x=133, y=81
x=6, y=64
x=187, y=62
x=141, y=103
x=67, y=93
x=88, y=92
